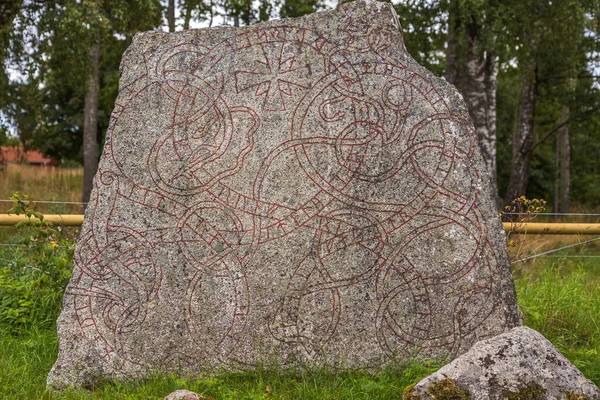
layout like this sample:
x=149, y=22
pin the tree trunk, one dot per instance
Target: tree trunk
x=90, y=124
x=171, y=15
x=451, y=74
x=523, y=140
x=479, y=91
x=8, y=12
x=187, y=17
x=248, y=13
x=555, y=200
x=487, y=142
x=565, y=161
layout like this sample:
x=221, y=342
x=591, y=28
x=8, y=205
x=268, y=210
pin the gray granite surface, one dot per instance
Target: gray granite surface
x=296, y=192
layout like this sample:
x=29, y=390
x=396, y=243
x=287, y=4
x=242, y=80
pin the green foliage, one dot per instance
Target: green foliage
x=265, y=10
x=240, y=12
x=48, y=42
x=47, y=105
x=507, y=114
x=26, y=359
x=563, y=305
x=34, y=274
x=198, y=10
x=585, y=142
x=561, y=302
x=298, y=8
x=6, y=139
x=560, y=39
x=550, y=44
x=8, y=11
x=424, y=30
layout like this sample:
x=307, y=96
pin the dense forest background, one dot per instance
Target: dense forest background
x=529, y=71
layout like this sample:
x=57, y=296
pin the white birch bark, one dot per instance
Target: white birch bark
x=523, y=139
x=479, y=91
x=564, y=155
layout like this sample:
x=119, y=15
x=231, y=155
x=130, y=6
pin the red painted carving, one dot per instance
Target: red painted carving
x=349, y=128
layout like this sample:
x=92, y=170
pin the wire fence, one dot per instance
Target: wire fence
x=50, y=202
x=557, y=214
x=545, y=253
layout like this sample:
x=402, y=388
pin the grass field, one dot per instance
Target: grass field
x=43, y=183
x=559, y=296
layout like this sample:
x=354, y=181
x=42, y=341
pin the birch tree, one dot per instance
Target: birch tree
x=470, y=57
x=477, y=79
x=549, y=52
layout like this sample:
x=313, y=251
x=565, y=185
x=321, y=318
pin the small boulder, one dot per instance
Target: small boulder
x=518, y=364
x=184, y=395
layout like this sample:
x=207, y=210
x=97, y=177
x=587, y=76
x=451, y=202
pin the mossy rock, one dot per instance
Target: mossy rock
x=576, y=396
x=409, y=392
x=446, y=389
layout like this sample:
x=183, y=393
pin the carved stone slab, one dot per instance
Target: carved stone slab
x=298, y=191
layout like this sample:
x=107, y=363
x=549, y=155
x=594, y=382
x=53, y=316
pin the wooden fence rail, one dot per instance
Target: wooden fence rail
x=553, y=228
x=54, y=219
x=520, y=228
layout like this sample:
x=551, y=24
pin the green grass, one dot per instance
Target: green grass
x=27, y=358
x=562, y=302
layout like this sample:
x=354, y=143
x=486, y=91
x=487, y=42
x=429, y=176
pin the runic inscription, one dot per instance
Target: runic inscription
x=295, y=192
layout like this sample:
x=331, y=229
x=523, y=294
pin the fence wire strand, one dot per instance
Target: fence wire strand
x=555, y=250
x=49, y=202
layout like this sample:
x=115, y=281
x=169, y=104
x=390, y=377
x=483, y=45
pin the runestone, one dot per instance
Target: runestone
x=297, y=192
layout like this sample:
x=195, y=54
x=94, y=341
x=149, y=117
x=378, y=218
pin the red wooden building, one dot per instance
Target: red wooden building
x=20, y=155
